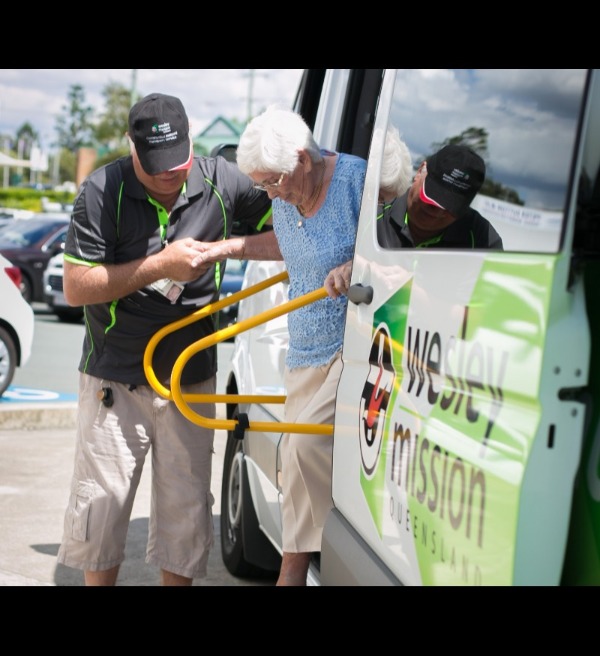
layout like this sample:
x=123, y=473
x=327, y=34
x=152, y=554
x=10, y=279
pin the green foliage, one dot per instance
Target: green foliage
x=67, y=167
x=29, y=137
x=499, y=191
x=111, y=129
x=111, y=156
x=477, y=139
x=31, y=199
x=74, y=126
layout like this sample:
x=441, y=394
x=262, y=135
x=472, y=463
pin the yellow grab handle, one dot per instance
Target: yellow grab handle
x=181, y=400
x=218, y=336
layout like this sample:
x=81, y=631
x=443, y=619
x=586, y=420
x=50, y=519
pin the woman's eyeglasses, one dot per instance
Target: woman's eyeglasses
x=270, y=185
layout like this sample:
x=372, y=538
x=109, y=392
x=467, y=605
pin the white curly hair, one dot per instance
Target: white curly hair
x=396, y=168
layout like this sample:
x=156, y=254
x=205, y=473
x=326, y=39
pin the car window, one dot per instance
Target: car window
x=59, y=238
x=24, y=232
x=524, y=125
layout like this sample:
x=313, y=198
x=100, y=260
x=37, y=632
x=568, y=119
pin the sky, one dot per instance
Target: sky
x=37, y=95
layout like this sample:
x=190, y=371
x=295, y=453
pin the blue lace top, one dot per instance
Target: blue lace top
x=310, y=252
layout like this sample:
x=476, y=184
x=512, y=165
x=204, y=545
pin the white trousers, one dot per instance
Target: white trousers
x=307, y=459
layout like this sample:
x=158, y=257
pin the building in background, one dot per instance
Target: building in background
x=219, y=131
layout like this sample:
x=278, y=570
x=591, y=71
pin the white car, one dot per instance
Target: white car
x=16, y=324
x=53, y=291
x=9, y=213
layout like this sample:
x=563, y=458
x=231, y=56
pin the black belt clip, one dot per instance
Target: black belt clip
x=105, y=394
x=241, y=427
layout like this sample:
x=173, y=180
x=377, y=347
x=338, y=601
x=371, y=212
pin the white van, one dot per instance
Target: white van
x=479, y=462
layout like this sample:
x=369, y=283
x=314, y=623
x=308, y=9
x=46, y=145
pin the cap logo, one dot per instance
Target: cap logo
x=457, y=178
x=161, y=133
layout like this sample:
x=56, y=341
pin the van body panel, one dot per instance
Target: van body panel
x=458, y=464
x=449, y=431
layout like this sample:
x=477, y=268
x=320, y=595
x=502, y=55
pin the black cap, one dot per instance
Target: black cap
x=159, y=128
x=454, y=176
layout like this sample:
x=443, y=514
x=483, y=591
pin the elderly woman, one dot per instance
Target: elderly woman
x=316, y=198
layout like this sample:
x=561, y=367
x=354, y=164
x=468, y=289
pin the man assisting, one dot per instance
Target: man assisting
x=131, y=258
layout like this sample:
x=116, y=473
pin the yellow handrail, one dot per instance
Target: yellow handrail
x=181, y=400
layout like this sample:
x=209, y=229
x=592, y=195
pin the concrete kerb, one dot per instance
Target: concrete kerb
x=36, y=416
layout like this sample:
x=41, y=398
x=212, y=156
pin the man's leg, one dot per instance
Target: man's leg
x=168, y=578
x=180, y=531
x=107, y=471
x=105, y=577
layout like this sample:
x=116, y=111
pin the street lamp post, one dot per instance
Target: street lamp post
x=251, y=75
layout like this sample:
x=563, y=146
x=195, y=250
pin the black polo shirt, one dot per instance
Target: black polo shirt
x=114, y=222
x=469, y=231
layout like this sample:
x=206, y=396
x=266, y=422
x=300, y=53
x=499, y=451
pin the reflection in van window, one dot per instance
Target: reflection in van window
x=436, y=211
x=522, y=123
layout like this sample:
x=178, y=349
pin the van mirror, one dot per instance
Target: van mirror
x=228, y=151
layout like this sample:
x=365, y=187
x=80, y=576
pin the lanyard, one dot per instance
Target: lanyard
x=429, y=242
x=384, y=208
x=163, y=218
x=163, y=221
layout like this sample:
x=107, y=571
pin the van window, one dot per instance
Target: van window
x=524, y=125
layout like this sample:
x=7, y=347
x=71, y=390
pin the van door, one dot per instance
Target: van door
x=460, y=419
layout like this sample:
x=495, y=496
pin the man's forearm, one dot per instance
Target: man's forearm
x=86, y=285
x=252, y=247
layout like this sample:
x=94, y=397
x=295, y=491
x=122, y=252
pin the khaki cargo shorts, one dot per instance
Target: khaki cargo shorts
x=112, y=445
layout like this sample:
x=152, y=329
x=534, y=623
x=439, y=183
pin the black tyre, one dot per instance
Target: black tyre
x=8, y=360
x=239, y=525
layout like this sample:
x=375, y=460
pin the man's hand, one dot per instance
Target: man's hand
x=179, y=259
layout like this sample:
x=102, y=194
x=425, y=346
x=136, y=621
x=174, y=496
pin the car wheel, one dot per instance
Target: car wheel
x=8, y=360
x=239, y=524
x=26, y=288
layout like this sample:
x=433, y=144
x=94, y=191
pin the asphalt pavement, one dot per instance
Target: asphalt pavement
x=37, y=446
x=36, y=463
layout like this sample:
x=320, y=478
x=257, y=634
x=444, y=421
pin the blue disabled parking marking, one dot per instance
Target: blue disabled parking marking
x=22, y=394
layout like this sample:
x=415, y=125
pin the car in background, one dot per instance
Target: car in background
x=55, y=298
x=16, y=324
x=7, y=214
x=231, y=283
x=53, y=291
x=29, y=244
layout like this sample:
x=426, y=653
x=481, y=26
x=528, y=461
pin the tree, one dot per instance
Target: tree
x=67, y=165
x=28, y=136
x=477, y=139
x=110, y=131
x=74, y=127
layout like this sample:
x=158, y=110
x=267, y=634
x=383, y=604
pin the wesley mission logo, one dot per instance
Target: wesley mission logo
x=375, y=399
